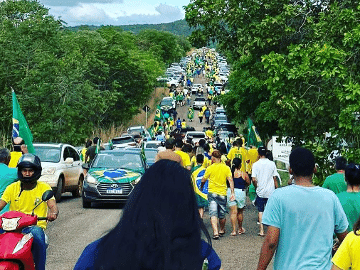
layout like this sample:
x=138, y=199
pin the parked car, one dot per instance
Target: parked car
x=152, y=144
x=150, y=154
x=167, y=104
x=226, y=127
x=62, y=169
x=112, y=176
x=173, y=83
x=196, y=136
x=199, y=102
x=220, y=110
x=125, y=141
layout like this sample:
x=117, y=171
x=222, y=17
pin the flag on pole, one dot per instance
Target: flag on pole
x=253, y=135
x=20, y=126
x=98, y=145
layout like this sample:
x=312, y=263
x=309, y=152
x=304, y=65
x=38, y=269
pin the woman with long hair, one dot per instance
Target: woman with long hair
x=347, y=256
x=160, y=228
x=241, y=182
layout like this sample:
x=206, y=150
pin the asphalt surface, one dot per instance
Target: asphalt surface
x=76, y=227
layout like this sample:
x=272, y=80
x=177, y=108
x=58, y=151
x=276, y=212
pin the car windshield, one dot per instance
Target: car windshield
x=200, y=99
x=48, y=153
x=117, y=161
x=152, y=145
x=122, y=140
x=166, y=102
x=197, y=135
x=135, y=130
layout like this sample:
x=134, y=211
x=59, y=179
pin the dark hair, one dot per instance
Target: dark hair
x=235, y=143
x=202, y=142
x=239, y=142
x=187, y=148
x=206, y=147
x=200, y=158
x=216, y=154
x=222, y=148
x=269, y=155
x=356, y=227
x=340, y=163
x=160, y=228
x=179, y=143
x=95, y=140
x=262, y=151
x=236, y=164
x=4, y=155
x=302, y=162
x=88, y=143
x=352, y=174
x=169, y=143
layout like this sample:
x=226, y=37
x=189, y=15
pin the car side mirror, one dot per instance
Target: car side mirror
x=69, y=160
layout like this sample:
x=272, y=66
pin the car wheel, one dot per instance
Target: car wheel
x=59, y=189
x=77, y=192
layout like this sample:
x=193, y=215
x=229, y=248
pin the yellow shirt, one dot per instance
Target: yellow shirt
x=239, y=152
x=205, y=164
x=15, y=156
x=185, y=158
x=201, y=113
x=252, y=155
x=348, y=253
x=209, y=133
x=183, y=124
x=27, y=200
x=217, y=173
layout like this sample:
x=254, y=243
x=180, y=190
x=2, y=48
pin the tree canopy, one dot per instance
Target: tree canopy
x=69, y=83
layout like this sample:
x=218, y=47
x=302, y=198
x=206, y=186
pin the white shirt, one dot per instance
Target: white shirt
x=264, y=170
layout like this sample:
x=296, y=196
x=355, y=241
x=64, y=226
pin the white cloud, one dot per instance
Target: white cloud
x=68, y=3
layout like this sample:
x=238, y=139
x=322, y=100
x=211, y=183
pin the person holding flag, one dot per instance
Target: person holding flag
x=196, y=176
x=191, y=114
x=93, y=150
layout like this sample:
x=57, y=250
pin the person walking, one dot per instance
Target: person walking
x=241, y=182
x=207, y=114
x=336, y=182
x=217, y=174
x=302, y=219
x=350, y=199
x=191, y=114
x=178, y=123
x=265, y=182
x=201, y=115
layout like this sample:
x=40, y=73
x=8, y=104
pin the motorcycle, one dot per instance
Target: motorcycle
x=15, y=246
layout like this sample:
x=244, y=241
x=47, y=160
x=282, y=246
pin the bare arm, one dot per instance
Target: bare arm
x=341, y=236
x=268, y=248
x=246, y=178
x=2, y=204
x=254, y=182
x=334, y=267
x=53, y=211
x=276, y=183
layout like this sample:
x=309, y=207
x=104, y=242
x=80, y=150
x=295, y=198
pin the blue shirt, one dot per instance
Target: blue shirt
x=7, y=177
x=307, y=218
x=178, y=123
x=87, y=258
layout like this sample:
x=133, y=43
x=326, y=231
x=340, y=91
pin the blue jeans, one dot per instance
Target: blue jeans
x=39, y=245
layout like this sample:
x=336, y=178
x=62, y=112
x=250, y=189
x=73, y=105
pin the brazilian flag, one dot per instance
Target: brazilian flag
x=253, y=135
x=158, y=114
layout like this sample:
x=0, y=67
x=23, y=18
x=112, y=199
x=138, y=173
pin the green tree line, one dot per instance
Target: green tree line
x=69, y=83
x=295, y=66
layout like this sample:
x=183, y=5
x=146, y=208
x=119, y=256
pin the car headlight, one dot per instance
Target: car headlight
x=90, y=179
x=136, y=181
x=50, y=170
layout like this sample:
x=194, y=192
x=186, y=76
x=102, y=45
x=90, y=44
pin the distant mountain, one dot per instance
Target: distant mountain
x=180, y=27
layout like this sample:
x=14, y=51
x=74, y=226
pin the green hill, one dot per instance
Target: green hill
x=180, y=27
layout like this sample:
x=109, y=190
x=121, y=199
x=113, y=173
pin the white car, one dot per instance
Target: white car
x=140, y=130
x=125, y=141
x=61, y=168
x=196, y=136
x=196, y=87
x=152, y=144
x=199, y=102
x=172, y=83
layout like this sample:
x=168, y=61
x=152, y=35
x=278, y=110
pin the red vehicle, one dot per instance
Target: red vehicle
x=15, y=246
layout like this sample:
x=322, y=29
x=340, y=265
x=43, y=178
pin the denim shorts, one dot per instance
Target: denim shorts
x=240, y=198
x=217, y=205
x=260, y=203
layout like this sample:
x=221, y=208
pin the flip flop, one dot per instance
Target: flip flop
x=262, y=235
x=233, y=234
x=216, y=237
x=222, y=233
x=242, y=231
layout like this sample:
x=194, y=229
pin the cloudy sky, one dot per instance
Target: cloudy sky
x=116, y=12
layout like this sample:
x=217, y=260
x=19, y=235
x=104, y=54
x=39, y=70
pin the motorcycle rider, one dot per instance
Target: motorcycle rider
x=23, y=196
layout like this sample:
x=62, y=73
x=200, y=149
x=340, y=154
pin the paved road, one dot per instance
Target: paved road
x=76, y=227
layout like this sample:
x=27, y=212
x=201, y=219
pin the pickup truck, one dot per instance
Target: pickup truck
x=199, y=102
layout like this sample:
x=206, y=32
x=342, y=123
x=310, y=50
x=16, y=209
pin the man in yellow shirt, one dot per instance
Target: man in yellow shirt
x=238, y=151
x=23, y=195
x=184, y=156
x=217, y=174
x=20, y=148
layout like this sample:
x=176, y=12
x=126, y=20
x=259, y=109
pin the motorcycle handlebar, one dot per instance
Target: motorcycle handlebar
x=42, y=218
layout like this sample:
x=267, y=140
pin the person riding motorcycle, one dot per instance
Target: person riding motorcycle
x=23, y=196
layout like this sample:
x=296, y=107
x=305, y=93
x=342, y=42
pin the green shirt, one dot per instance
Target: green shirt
x=350, y=202
x=336, y=183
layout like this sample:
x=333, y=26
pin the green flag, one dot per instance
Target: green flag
x=158, y=114
x=253, y=135
x=98, y=144
x=20, y=126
